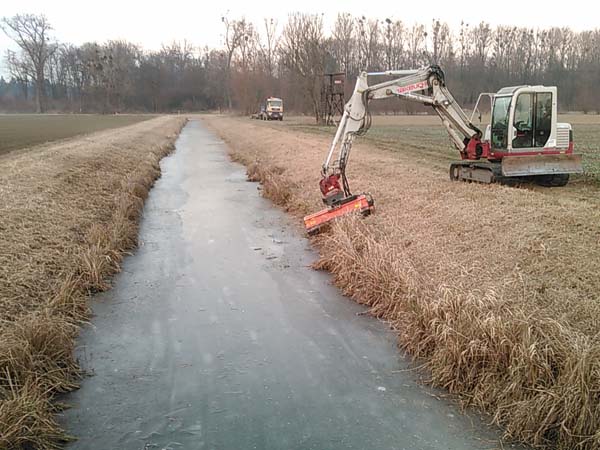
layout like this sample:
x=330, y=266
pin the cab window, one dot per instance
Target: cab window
x=543, y=118
x=500, y=122
x=523, y=122
x=532, y=123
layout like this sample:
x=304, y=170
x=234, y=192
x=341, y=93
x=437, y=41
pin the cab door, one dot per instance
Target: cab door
x=533, y=119
x=500, y=122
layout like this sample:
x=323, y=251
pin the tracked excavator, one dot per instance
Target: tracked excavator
x=523, y=141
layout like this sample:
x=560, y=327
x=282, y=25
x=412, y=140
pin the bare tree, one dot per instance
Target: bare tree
x=179, y=56
x=123, y=58
x=503, y=53
x=248, y=71
x=526, y=45
x=31, y=33
x=416, y=44
x=215, y=63
x=268, y=47
x=303, y=51
x=235, y=32
x=20, y=70
x=481, y=36
x=393, y=42
x=442, y=43
x=368, y=43
x=343, y=42
x=463, y=44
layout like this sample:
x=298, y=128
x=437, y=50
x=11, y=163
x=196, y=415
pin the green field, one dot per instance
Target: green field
x=25, y=130
x=424, y=138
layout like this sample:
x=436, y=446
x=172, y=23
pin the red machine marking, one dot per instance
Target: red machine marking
x=412, y=87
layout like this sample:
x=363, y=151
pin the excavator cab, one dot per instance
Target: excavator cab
x=524, y=119
x=535, y=120
x=525, y=135
x=531, y=110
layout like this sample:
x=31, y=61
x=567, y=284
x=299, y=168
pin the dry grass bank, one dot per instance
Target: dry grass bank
x=68, y=214
x=495, y=289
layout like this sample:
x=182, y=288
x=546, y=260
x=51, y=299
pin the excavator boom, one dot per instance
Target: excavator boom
x=425, y=86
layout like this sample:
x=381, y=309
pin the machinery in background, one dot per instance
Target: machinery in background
x=270, y=109
x=523, y=140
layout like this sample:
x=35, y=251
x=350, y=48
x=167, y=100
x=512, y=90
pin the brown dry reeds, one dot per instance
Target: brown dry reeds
x=26, y=418
x=273, y=180
x=494, y=289
x=539, y=377
x=69, y=213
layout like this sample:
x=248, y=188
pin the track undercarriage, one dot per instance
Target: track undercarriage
x=491, y=172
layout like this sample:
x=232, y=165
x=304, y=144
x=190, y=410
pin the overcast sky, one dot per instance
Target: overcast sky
x=151, y=24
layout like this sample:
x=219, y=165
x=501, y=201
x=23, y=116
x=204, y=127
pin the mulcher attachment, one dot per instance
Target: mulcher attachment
x=362, y=203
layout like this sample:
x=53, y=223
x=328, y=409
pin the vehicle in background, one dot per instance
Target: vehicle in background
x=270, y=109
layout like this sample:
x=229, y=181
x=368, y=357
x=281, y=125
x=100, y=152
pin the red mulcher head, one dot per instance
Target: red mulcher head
x=333, y=195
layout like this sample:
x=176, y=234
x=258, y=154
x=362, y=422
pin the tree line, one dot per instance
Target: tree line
x=288, y=60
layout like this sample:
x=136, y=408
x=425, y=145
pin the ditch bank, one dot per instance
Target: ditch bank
x=68, y=215
x=493, y=289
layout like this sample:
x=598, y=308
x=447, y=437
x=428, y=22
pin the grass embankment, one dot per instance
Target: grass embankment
x=495, y=289
x=26, y=130
x=68, y=213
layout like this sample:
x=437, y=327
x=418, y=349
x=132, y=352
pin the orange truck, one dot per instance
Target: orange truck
x=271, y=109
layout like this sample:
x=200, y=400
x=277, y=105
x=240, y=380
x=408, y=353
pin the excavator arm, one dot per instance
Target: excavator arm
x=426, y=86
x=484, y=162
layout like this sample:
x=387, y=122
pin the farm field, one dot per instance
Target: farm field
x=25, y=130
x=424, y=139
x=471, y=276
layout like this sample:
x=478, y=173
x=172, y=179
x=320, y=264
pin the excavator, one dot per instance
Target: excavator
x=523, y=141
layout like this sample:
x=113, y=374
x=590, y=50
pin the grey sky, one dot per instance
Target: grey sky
x=154, y=23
